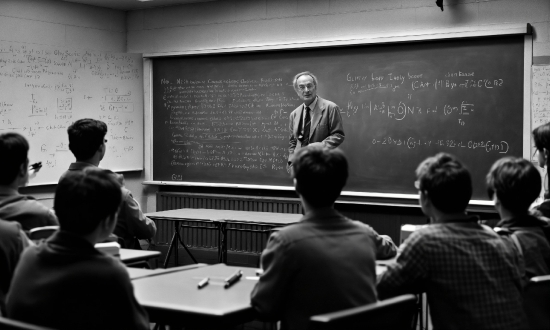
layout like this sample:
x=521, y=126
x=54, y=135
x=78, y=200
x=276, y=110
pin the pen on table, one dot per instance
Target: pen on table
x=233, y=278
x=203, y=282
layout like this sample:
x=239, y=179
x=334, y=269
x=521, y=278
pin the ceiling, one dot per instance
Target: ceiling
x=133, y=4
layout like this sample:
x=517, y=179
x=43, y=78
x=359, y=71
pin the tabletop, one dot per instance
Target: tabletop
x=174, y=298
x=226, y=215
x=128, y=255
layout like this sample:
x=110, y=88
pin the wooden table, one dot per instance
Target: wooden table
x=174, y=298
x=221, y=218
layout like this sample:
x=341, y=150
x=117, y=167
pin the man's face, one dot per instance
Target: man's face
x=306, y=89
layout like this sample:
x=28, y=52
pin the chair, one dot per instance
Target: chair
x=7, y=324
x=394, y=313
x=39, y=233
x=536, y=302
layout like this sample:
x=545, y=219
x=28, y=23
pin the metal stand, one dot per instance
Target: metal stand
x=176, y=239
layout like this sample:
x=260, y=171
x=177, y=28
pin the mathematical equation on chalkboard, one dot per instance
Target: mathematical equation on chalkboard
x=45, y=89
x=213, y=121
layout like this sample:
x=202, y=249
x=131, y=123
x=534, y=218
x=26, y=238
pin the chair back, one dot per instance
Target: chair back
x=394, y=313
x=7, y=324
x=39, y=233
x=536, y=302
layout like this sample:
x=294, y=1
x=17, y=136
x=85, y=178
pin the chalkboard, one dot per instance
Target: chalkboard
x=223, y=118
x=44, y=89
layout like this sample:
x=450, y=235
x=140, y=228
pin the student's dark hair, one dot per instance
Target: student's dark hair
x=320, y=174
x=85, y=137
x=85, y=198
x=13, y=152
x=515, y=181
x=305, y=73
x=541, y=136
x=446, y=181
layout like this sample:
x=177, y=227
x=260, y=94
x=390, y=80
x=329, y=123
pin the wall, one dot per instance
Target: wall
x=64, y=24
x=241, y=23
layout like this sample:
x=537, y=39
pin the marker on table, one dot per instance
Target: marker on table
x=233, y=279
x=203, y=282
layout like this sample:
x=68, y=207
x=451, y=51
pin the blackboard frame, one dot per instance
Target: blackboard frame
x=371, y=198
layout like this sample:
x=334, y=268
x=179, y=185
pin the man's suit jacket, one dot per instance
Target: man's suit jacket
x=326, y=126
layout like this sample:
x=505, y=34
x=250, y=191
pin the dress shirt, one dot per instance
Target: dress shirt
x=472, y=276
x=311, y=107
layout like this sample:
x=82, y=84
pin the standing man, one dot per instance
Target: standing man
x=88, y=144
x=317, y=121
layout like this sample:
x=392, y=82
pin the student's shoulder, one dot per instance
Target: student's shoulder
x=109, y=267
x=9, y=229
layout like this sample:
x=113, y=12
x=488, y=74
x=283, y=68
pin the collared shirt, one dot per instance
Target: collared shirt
x=311, y=107
x=530, y=232
x=324, y=263
x=131, y=222
x=472, y=276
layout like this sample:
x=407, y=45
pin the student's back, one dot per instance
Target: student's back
x=469, y=273
x=514, y=184
x=12, y=243
x=65, y=283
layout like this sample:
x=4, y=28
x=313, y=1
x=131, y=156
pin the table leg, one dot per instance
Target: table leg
x=173, y=244
x=222, y=242
x=186, y=249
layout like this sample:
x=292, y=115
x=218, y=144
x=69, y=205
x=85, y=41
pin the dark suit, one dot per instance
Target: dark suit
x=326, y=126
x=322, y=264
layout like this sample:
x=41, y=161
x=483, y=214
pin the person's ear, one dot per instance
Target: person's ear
x=545, y=153
x=24, y=169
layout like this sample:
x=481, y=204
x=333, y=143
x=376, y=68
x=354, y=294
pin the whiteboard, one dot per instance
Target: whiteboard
x=43, y=89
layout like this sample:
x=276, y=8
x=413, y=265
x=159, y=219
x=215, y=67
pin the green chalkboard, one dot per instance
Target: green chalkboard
x=223, y=118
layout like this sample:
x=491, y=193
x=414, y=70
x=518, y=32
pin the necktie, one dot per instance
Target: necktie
x=307, y=125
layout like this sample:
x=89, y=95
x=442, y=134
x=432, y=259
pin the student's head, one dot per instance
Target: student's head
x=541, y=136
x=515, y=182
x=87, y=199
x=86, y=137
x=319, y=174
x=445, y=182
x=305, y=85
x=13, y=152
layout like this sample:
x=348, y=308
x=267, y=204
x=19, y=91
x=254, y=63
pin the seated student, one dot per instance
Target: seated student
x=65, y=283
x=326, y=262
x=88, y=144
x=514, y=184
x=469, y=273
x=541, y=137
x=14, y=173
x=12, y=242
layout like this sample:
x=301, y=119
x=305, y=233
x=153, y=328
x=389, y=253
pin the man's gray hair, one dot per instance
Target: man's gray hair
x=305, y=73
